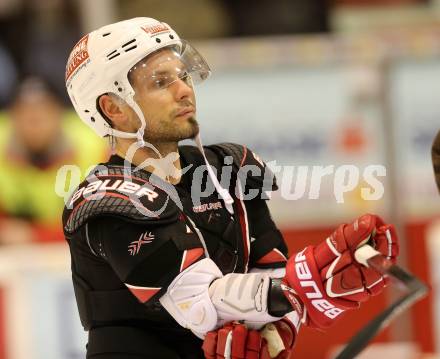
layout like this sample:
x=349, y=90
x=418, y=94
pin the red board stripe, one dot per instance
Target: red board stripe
x=2, y=325
x=423, y=313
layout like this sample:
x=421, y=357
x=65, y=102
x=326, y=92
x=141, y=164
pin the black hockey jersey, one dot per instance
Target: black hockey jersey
x=131, y=233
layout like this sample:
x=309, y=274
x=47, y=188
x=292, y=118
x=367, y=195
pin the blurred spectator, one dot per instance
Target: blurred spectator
x=378, y=2
x=223, y=18
x=8, y=76
x=266, y=17
x=35, y=141
x=39, y=35
x=212, y=18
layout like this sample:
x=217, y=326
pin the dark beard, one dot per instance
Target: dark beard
x=169, y=132
x=195, y=128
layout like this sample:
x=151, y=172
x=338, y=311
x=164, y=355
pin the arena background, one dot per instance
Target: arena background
x=302, y=83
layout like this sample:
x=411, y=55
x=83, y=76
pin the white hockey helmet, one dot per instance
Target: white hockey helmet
x=100, y=62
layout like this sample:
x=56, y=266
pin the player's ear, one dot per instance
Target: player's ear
x=114, y=109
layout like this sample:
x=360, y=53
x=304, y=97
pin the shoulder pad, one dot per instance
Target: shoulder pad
x=115, y=191
x=243, y=161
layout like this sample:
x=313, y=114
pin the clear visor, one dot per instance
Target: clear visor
x=164, y=67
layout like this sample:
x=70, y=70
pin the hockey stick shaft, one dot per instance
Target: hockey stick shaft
x=416, y=290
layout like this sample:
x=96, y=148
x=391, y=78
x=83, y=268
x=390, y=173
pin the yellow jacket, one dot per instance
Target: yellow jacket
x=28, y=191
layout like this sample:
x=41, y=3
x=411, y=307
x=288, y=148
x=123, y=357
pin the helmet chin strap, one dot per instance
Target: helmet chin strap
x=224, y=193
x=139, y=134
x=121, y=134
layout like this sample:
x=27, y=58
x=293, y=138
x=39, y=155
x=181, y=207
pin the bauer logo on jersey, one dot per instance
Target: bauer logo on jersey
x=124, y=187
x=213, y=206
x=77, y=57
x=156, y=29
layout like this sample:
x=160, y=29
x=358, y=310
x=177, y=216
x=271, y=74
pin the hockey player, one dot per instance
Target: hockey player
x=435, y=153
x=172, y=262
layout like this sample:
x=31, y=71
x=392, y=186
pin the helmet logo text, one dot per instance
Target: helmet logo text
x=155, y=29
x=78, y=55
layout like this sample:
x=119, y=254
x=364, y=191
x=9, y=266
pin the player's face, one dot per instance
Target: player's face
x=165, y=94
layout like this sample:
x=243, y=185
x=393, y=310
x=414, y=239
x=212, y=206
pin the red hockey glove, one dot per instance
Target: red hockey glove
x=278, y=339
x=328, y=280
x=235, y=341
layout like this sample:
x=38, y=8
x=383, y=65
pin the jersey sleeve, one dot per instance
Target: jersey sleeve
x=146, y=258
x=268, y=248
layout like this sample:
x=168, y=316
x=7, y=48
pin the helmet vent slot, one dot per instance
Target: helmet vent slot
x=130, y=48
x=128, y=43
x=106, y=34
x=113, y=54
